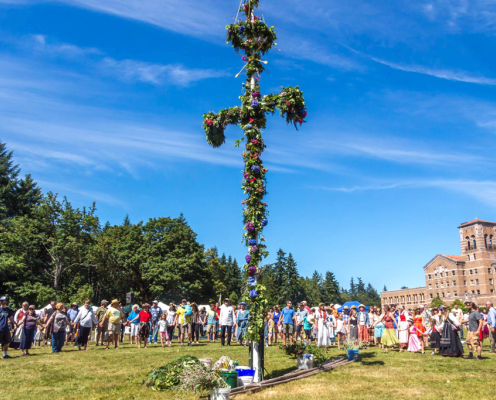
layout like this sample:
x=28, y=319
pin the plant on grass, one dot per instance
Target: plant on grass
x=320, y=355
x=169, y=376
x=353, y=344
x=197, y=378
x=296, y=349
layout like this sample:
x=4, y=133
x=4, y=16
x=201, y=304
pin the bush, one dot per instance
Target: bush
x=169, y=375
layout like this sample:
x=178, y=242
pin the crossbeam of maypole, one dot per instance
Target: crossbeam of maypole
x=254, y=38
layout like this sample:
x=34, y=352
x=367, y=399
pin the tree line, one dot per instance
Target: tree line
x=50, y=249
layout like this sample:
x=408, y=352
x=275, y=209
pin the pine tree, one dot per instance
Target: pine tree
x=384, y=289
x=353, y=290
x=360, y=287
x=291, y=286
x=330, y=289
x=233, y=278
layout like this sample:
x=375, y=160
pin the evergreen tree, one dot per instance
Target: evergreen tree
x=360, y=287
x=353, y=290
x=291, y=288
x=330, y=289
x=384, y=289
x=233, y=279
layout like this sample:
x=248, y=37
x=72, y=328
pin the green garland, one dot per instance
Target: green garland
x=254, y=38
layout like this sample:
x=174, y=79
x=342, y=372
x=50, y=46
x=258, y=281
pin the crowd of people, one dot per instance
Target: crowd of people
x=326, y=325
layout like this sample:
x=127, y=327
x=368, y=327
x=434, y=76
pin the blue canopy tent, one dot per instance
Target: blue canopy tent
x=352, y=303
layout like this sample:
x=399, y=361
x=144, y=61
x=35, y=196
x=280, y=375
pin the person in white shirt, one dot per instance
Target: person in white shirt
x=162, y=328
x=226, y=322
x=86, y=319
x=458, y=314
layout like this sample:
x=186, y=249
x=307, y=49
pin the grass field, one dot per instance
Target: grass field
x=117, y=374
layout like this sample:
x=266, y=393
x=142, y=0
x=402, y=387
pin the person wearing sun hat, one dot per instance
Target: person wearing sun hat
x=242, y=324
x=363, y=324
x=114, y=316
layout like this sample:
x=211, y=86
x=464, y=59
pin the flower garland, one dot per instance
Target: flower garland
x=254, y=38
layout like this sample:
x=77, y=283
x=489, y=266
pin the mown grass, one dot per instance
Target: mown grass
x=117, y=374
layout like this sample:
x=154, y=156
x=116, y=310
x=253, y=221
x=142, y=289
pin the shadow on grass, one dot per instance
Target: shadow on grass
x=279, y=372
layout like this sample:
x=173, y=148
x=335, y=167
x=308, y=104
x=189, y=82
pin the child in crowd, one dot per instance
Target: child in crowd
x=413, y=340
x=340, y=330
x=162, y=325
x=271, y=325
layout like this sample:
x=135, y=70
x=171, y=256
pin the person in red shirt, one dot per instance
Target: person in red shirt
x=144, y=329
x=217, y=310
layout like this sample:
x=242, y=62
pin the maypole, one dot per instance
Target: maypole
x=254, y=38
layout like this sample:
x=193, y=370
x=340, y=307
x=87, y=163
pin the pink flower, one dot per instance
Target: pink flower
x=209, y=122
x=252, y=120
x=288, y=103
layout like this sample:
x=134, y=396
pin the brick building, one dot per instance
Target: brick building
x=471, y=275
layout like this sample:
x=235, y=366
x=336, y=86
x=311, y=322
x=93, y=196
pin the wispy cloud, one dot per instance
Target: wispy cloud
x=201, y=19
x=157, y=74
x=40, y=43
x=458, y=76
x=483, y=191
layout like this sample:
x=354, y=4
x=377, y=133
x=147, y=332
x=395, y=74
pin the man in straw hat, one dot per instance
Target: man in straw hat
x=114, y=316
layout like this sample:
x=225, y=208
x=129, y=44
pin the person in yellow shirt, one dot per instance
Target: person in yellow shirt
x=182, y=321
x=114, y=316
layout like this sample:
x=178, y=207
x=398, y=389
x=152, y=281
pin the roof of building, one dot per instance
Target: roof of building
x=404, y=290
x=454, y=258
x=475, y=221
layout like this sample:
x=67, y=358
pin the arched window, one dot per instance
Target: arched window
x=491, y=240
x=485, y=240
x=468, y=242
x=475, y=243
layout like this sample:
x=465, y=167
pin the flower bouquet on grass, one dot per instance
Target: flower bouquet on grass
x=352, y=346
x=186, y=374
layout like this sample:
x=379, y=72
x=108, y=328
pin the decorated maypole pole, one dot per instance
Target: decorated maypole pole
x=252, y=37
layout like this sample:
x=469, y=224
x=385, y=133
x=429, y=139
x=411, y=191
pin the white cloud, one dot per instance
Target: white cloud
x=458, y=76
x=157, y=74
x=482, y=191
x=70, y=50
x=195, y=18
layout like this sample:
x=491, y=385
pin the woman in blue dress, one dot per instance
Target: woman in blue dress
x=242, y=323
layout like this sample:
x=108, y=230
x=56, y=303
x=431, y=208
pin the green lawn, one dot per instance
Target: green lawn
x=117, y=374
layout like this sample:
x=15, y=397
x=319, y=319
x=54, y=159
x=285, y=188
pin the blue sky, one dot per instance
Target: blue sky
x=103, y=100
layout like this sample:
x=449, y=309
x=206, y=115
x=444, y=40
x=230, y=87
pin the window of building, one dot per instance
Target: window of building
x=465, y=283
x=448, y=294
x=435, y=276
x=476, y=271
x=492, y=290
x=441, y=274
x=476, y=281
x=431, y=296
x=442, y=284
x=453, y=273
x=454, y=283
x=485, y=240
x=442, y=294
x=489, y=270
x=429, y=276
x=475, y=243
x=437, y=285
x=471, y=282
x=468, y=243
x=468, y=257
x=490, y=240
x=430, y=286
x=455, y=294
x=447, y=284
x=471, y=272
x=490, y=281
x=475, y=256
x=473, y=291
x=478, y=291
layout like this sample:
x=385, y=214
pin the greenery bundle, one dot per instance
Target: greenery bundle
x=299, y=349
x=187, y=374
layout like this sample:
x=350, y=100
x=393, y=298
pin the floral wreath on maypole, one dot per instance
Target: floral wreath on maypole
x=254, y=38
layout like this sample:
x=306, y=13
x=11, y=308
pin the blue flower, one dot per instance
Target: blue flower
x=241, y=29
x=249, y=126
x=265, y=221
x=255, y=169
x=252, y=281
x=254, y=103
x=253, y=293
x=303, y=111
x=252, y=242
